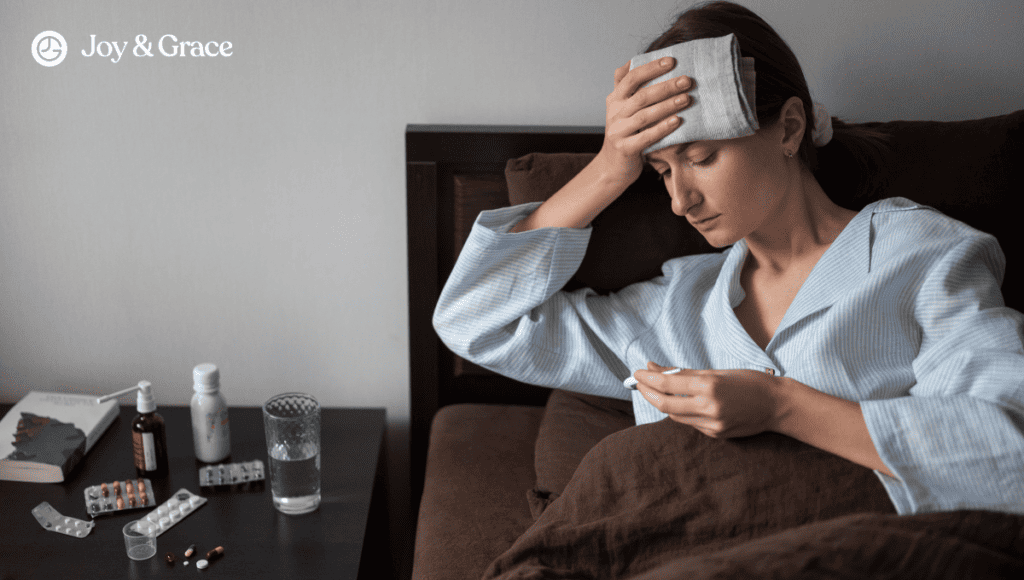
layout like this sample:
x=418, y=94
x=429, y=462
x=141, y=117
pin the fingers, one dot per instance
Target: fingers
x=660, y=99
x=629, y=81
x=669, y=404
x=628, y=85
x=641, y=134
x=639, y=117
x=620, y=73
x=661, y=379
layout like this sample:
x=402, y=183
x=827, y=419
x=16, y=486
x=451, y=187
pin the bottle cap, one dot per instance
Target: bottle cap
x=206, y=378
x=145, y=403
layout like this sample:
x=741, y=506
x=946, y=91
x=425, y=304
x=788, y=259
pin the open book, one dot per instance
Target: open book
x=45, y=435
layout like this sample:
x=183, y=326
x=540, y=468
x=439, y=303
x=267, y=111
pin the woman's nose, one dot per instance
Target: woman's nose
x=683, y=197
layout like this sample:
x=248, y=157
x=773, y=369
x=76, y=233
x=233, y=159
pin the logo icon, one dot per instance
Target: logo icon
x=49, y=48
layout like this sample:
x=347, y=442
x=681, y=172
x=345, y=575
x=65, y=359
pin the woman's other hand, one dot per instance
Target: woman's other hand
x=718, y=403
x=636, y=117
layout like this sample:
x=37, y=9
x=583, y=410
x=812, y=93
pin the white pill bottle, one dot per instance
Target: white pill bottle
x=211, y=431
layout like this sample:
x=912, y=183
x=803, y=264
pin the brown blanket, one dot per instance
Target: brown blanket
x=664, y=501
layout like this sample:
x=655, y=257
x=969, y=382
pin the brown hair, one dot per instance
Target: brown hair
x=854, y=150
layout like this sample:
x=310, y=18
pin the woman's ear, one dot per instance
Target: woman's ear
x=794, y=123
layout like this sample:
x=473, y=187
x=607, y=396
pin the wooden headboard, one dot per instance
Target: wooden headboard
x=452, y=173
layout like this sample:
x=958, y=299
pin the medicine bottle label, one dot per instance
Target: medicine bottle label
x=145, y=451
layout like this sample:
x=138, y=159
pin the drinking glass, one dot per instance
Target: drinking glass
x=292, y=425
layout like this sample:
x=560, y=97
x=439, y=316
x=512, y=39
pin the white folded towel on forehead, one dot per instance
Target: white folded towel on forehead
x=723, y=94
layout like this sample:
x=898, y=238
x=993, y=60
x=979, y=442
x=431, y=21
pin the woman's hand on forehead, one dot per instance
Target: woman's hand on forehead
x=638, y=116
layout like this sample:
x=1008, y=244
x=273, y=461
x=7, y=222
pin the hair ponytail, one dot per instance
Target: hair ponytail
x=854, y=167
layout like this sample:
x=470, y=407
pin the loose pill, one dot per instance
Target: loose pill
x=215, y=553
x=170, y=558
x=201, y=564
x=191, y=550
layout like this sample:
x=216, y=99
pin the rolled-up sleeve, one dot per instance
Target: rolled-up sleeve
x=502, y=308
x=956, y=441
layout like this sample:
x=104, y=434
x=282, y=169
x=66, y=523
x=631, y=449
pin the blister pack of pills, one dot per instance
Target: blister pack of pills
x=182, y=503
x=116, y=496
x=231, y=473
x=53, y=521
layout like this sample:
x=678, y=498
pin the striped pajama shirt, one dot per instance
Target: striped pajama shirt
x=902, y=313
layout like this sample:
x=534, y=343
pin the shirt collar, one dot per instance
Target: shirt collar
x=843, y=263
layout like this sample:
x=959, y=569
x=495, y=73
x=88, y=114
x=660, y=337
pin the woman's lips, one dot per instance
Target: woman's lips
x=704, y=221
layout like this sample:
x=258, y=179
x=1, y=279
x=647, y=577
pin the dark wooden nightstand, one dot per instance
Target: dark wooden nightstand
x=347, y=537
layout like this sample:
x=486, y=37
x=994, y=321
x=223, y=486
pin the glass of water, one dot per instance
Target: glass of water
x=292, y=425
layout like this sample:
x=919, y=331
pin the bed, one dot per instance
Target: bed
x=505, y=475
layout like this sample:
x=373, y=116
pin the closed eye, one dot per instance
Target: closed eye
x=704, y=162
x=710, y=159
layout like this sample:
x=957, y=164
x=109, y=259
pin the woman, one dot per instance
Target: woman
x=879, y=335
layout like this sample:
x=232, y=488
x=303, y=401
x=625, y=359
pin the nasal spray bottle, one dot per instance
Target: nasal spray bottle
x=149, y=442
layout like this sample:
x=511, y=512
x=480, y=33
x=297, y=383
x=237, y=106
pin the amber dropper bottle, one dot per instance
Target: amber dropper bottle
x=149, y=440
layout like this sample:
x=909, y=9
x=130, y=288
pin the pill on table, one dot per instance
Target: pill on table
x=170, y=558
x=191, y=550
x=215, y=553
x=201, y=564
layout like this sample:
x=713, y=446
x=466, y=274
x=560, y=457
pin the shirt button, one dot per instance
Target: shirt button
x=770, y=371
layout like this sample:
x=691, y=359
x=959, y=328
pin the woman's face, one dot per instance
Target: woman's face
x=727, y=189
x=732, y=188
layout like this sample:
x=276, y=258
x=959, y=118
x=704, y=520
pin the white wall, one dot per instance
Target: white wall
x=250, y=211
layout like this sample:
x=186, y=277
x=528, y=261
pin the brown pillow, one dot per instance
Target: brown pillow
x=969, y=170
x=631, y=238
x=572, y=424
